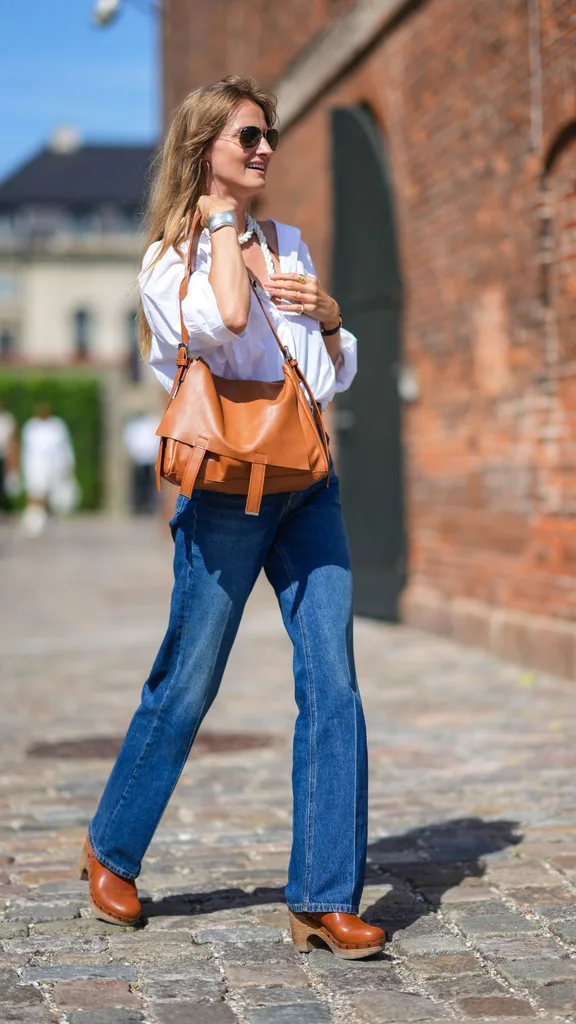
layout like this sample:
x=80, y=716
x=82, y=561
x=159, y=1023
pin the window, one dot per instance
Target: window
x=85, y=221
x=82, y=334
x=7, y=341
x=6, y=225
x=8, y=287
x=134, y=362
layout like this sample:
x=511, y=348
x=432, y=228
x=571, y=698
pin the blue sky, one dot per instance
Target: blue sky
x=57, y=68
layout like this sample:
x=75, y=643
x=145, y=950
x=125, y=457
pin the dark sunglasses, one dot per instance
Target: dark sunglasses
x=250, y=137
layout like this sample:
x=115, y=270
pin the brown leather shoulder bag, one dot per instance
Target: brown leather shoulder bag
x=239, y=436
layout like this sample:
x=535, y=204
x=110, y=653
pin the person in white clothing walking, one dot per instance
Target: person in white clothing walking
x=141, y=444
x=47, y=468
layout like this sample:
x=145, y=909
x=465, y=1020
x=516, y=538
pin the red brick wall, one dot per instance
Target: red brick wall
x=206, y=39
x=472, y=99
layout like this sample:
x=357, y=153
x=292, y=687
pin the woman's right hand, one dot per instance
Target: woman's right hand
x=207, y=205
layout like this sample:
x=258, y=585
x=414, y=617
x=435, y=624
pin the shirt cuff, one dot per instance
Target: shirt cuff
x=347, y=363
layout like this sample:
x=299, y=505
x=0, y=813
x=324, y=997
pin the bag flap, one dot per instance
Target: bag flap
x=260, y=416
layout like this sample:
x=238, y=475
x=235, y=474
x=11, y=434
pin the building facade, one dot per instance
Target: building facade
x=70, y=243
x=70, y=250
x=435, y=141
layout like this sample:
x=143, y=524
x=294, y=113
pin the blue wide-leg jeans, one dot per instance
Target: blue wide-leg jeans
x=300, y=541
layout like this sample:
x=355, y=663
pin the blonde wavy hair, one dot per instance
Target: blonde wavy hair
x=177, y=178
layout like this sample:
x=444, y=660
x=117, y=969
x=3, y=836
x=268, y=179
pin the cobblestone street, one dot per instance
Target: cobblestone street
x=472, y=855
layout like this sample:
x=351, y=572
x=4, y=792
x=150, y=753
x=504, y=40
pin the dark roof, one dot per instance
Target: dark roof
x=90, y=174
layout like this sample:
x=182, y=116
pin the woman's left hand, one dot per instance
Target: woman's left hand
x=304, y=294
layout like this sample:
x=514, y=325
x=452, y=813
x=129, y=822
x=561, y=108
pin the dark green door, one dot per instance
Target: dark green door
x=367, y=284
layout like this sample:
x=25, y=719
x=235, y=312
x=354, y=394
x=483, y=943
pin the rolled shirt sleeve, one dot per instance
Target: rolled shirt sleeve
x=159, y=288
x=346, y=365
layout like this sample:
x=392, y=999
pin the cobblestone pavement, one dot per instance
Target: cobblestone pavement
x=472, y=857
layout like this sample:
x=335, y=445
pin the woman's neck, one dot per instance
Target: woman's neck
x=241, y=208
x=241, y=212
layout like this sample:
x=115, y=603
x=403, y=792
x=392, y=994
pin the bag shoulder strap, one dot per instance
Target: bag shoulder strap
x=183, y=358
x=295, y=366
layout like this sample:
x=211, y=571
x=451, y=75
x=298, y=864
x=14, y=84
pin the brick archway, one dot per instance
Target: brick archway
x=367, y=281
x=559, y=298
x=560, y=184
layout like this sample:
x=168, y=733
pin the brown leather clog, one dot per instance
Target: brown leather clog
x=112, y=898
x=347, y=935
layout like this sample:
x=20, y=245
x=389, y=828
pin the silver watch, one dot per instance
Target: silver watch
x=221, y=220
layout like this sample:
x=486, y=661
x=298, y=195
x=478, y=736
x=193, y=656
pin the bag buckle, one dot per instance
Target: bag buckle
x=182, y=358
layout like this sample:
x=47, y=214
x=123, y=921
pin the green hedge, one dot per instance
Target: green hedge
x=76, y=397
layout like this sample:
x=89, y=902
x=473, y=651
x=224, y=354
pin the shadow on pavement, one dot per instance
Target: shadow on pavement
x=426, y=862
x=419, y=867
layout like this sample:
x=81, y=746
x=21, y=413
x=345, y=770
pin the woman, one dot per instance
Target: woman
x=215, y=159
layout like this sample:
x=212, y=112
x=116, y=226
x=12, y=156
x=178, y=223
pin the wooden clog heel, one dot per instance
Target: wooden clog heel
x=347, y=935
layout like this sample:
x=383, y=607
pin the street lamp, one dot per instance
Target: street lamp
x=105, y=12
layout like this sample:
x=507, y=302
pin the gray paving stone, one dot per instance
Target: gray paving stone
x=533, y=973
x=10, y=959
x=445, y=965
x=13, y=991
x=373, y=1008
x=460, y=894
x=412, y=945
x=193, y=1013
x=448, y=990
x=276, y=996
x=556, y=911
x=80, y=926
x=500, y=921
x=509, y=1007
x=105, y=1016
x=41, y=913
x=68, y=888
x=557, y=997
x=168, y=989
x=30, y=1014
x=42, y=945
x=565, y=930
x=260, y=953
x=520, y=947
x=353, y=975
x=239, y=935
x=68, y=957
x=71, y=972
x=11, y=930
x=183, y=967
x=248, y=975
x=298, y=1013
x=424, y=924
x=173, y=923
x=142, y=948
x=94, y=994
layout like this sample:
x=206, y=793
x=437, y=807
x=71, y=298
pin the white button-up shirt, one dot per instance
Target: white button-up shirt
x=253, y=354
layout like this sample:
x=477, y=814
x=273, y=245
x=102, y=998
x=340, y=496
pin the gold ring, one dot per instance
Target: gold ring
x=302, y=309
x=301, y=278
